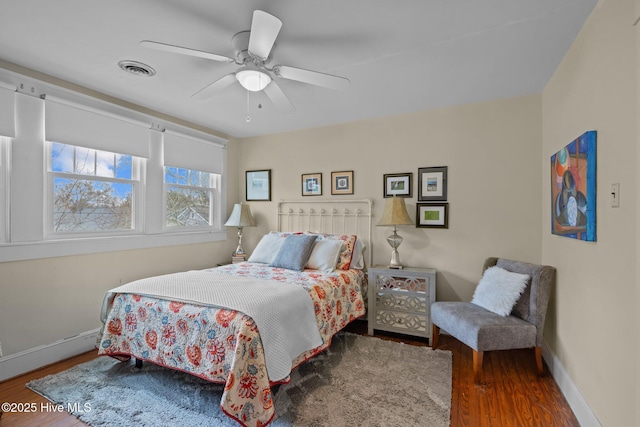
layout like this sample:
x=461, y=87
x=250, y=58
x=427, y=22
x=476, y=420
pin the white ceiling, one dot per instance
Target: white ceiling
x=400, y=55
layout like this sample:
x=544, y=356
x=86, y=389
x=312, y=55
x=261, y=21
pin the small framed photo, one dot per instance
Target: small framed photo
x=312, y=184
x=258, y=185
x=342, y=182
x=432, y=184
x=398, y=184
x=432, y=215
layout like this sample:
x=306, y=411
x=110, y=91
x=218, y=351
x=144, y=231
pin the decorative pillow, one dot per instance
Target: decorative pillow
x=499, y=290
x=295, y=251
x=324, y=255
x=344, y=260
x=267, y=248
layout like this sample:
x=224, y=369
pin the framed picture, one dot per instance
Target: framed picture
x=573, y=189
x=432, y=184
x=432, y=215
x=398, y=184
x=258, y=185
x=312, y=184
x=342, y=182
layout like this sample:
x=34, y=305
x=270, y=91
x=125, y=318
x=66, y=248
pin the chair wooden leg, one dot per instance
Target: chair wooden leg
x=435, y=335
x=539, y=367
x=477, y=365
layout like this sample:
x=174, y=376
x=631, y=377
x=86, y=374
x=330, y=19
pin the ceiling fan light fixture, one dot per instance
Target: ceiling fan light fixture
x=253, y=80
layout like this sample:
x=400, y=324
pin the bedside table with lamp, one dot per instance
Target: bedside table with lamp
x=400, y=297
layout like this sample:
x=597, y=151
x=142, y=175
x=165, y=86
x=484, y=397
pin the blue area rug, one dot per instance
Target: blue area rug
x=358, y=381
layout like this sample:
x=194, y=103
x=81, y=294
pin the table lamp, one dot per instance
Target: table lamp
x=240, y=217
x=395, y=213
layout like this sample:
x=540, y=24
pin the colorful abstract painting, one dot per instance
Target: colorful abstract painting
x=573, y=189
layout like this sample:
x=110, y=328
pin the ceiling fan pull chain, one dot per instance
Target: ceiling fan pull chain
x=248, y=118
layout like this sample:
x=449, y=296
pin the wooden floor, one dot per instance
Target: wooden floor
x=512, y=395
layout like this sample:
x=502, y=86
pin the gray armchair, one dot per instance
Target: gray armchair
x=483, y=330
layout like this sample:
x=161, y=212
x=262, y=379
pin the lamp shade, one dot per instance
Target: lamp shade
x=395, y=212
x=241, y=216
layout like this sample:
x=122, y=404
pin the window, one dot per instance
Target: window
x=95, y=182
x=193, y=171
x=91, y=191
x=190, y=198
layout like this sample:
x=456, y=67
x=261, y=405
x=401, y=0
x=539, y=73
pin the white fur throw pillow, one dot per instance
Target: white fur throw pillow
x=499, y=290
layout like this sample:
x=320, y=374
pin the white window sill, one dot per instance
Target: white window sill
x=55, y=248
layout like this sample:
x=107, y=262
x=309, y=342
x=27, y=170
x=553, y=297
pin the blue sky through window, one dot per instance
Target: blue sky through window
x=87, y=161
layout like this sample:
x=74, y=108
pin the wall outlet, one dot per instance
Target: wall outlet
x=615, y=195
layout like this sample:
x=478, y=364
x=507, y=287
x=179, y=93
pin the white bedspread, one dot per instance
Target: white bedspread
x=282, y=311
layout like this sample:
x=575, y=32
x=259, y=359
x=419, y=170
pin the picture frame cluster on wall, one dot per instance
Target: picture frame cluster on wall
x=432, y=187
x=341, y=183
x=258, y=184
x=432, y=209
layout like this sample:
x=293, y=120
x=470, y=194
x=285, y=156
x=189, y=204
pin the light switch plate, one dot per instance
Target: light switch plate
x=615, y=195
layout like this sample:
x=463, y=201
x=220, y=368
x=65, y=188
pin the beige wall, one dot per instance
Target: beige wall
x=492, y=152
x=46, y=300
x=594, y=327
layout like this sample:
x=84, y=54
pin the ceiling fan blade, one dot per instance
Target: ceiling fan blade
x=216, y=86
x=185, y=51
x=264, y=30
x=279, y=99
x=311, y=77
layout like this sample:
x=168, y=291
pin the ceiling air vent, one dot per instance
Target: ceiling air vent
x=137, y=68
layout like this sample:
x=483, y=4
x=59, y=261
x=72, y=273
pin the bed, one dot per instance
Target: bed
x=247, y=325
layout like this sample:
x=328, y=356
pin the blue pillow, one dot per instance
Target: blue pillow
x=295, y=252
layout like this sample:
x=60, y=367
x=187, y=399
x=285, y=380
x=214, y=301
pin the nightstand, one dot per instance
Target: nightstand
x=400, y=300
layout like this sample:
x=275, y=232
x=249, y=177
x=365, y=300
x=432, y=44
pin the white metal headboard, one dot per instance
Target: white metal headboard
x=329, y=216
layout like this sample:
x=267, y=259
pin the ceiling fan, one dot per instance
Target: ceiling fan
x=253, y=51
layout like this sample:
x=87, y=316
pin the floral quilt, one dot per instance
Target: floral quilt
x=222, y=345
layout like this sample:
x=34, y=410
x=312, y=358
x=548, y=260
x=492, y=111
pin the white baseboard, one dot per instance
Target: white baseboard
x=576, y=401
x=34, y=358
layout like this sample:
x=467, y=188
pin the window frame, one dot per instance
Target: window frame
x=25, y=163
x=137, y=195
x=215, y=196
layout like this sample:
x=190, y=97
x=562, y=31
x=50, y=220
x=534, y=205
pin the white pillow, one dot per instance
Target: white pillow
x=324, y=255
x=499, y=290
x=267, y=248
